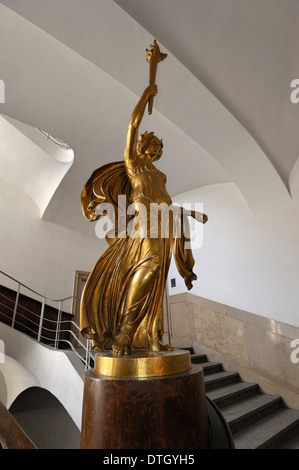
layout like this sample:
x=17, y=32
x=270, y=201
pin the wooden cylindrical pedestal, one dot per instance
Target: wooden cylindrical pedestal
x=167, y=412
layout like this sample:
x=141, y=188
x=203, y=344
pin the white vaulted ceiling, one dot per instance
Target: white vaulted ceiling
x=76, y=68
x=86, y=96
x=246, y=53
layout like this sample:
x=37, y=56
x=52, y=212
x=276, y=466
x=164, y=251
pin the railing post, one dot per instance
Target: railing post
x=41, y=320
x=58, y=325
x=16, y=306
x=87, y=357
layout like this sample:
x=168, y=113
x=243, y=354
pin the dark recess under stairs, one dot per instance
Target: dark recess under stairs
x=256, y=420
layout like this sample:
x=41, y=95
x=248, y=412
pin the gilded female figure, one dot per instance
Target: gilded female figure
x=121, y=306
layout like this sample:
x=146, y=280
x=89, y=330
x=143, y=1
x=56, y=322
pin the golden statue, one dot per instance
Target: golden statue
x=121, y=307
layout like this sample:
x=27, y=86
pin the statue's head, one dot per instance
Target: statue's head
x=149, y=144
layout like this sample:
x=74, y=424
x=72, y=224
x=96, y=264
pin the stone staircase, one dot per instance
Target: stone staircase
x=256, y=420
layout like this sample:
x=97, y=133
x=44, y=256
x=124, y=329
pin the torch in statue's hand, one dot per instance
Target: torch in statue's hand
x=153, y=56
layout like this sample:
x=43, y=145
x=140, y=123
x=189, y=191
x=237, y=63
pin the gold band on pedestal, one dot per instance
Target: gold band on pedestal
x=142, y=364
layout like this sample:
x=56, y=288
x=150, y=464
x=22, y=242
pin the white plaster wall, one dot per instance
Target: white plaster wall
x=40, y=254
x=3, y=389
x=60, y=373
x=16, y=379
x=29, y=165
x=247, y=260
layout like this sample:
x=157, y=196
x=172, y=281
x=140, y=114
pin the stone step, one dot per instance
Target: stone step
x=211, y=367
x=269, y=432
x=198, y=358
x=220, y=378
x=245, y=411
x=231, y=393
x=256, y=420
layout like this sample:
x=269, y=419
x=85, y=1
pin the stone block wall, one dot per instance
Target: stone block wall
x=262, y=350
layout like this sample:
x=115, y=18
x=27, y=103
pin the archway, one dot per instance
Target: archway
x=45, y=420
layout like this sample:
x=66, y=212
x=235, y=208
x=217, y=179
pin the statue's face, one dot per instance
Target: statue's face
x=154, y=148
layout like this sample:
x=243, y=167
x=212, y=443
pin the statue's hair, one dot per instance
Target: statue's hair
x=144, y=141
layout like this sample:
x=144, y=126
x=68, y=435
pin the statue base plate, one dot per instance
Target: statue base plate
x=142, y=364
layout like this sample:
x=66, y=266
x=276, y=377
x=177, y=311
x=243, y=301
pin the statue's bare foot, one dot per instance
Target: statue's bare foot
x=121, y=345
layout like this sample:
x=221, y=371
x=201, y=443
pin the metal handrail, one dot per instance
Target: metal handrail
x=37, y=293
x=58, y=324
x=54, y=140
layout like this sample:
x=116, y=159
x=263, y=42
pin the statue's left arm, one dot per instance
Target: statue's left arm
x=199, y=216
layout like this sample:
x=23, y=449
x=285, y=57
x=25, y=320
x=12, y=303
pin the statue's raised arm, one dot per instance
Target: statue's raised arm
x=130, y=155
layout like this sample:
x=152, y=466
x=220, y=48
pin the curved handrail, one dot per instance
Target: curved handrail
x=60, y=143
x=44, y=333
x=37, y=293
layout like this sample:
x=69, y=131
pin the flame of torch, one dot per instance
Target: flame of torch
x=153, y=56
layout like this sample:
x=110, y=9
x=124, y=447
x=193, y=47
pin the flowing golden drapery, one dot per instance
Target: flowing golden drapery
x=104, y=300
